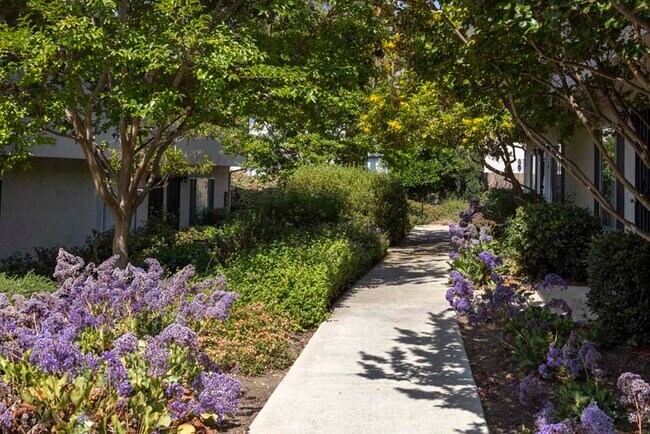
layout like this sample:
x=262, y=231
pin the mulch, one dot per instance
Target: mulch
x=497, y=377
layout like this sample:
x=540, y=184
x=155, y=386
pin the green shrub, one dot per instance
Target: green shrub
x=500, y=204
x=530, y=333
x=552, y=238
x=337, y=194
x=303, y=276
x=619, y=282
x=25, y=285
x=574, y=397
x=255, y=338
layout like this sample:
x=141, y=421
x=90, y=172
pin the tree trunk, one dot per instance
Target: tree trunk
x=121, y=239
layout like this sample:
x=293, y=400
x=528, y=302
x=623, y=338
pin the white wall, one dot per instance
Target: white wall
x=580, y=149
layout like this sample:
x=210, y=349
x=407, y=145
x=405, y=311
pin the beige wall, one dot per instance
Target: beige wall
x=55, y=204
x=580, y=149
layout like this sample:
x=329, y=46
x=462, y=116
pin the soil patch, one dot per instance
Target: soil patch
x=257, y=390
x=497, y=378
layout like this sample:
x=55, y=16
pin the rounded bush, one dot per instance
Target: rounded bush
x=552, y=238
x=619, y=281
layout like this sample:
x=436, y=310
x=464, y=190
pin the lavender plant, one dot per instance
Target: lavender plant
x=113, y=348
x=577, y=357
x=636, y=398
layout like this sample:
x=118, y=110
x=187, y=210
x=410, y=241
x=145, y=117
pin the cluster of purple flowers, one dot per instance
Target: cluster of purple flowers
x=552, y=280
x=51, y=331
x=531, y=392
x=491, y=260
x=461, y=293
x=557, y=304
x=636, y=397
x=577, y=356
x=592, y=421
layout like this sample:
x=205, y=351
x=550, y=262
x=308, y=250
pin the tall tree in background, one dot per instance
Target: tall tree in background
x=575, y=64
x=127, y=79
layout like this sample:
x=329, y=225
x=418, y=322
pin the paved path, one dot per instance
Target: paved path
x=389, y=360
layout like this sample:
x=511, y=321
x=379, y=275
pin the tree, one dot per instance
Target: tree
x=127, y=79
x=580, y=63
x=334, y=51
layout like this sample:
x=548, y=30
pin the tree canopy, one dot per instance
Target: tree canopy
x=128, y=79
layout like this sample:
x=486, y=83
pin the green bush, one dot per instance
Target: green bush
x=619, y=282
x=500, y=204
x=552, y=238
x=339, y=194
x=530, y=333
x=25, y=285
x=303, y=276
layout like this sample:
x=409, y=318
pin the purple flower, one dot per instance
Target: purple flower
x=531, y=392
x=56, y=354
x=490, y=259
x=6, y=417
x=116, y=374
x=561, y=305
x=157, y=356
x=174, y=390
x=544, y=417
x=596, y=421
x=554, y=357
x=125, y=344
x=552, y=280
x=543, y=370
x=179, y=335
x=454, y=256
x=636, y=397
x=218, y=394
x=180, y=409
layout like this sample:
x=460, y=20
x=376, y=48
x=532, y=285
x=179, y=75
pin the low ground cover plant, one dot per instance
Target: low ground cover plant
x=303, y=276
x=113, y=350
x=563, y=379
x=25, y=285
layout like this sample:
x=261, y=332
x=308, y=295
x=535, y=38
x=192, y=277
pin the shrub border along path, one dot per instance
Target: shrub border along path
x=389, y=360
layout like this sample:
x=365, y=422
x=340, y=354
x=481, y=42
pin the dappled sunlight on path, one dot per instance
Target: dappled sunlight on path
x=389, y=360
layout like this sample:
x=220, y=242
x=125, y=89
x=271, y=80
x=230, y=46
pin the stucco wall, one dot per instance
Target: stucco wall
x=580, y=149
x=53, y=203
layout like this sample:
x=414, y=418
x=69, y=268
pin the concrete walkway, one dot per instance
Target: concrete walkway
x=389, y=360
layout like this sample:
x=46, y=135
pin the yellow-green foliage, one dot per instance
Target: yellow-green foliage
x=25, y=285
x=253, y=339
x=303, y=276
x=444, y=212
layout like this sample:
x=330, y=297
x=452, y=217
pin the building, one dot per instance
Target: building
x=54, y=202
x=545, y=176
x=496, y=180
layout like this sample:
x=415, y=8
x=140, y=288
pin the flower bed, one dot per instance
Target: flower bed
x=113, y=350
x=562, y=378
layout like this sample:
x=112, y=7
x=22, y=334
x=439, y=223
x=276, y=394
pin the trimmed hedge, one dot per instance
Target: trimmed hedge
x=619, y=282
x=552, y=238
x=303, y=276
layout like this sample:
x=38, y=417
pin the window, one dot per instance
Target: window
x=604, y=177
x=642, y=172
x=201, y=197
x=557, y=179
